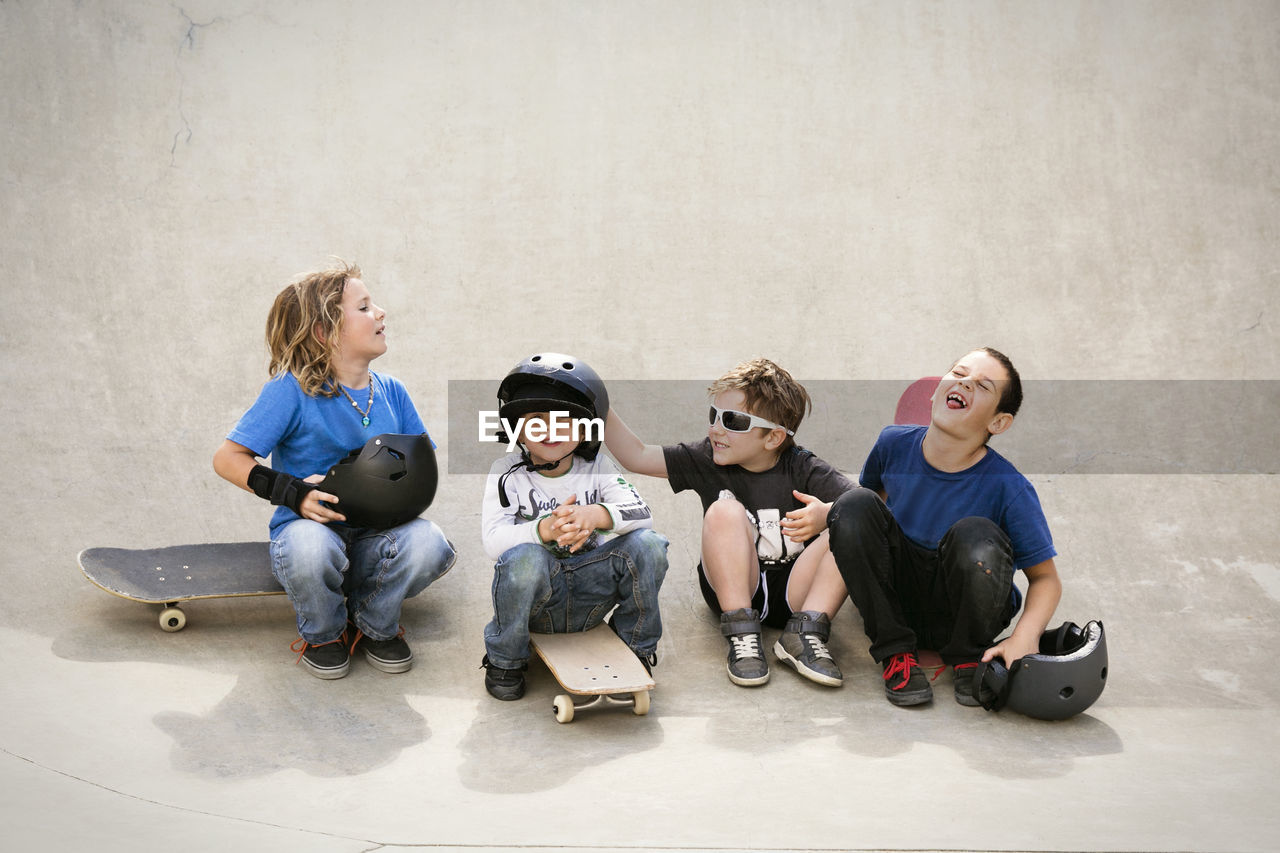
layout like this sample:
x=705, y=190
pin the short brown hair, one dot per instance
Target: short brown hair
x=303, y=326
x=1011, y=393
x=770, y=393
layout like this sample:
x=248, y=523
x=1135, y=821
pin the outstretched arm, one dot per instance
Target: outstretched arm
x=632, y=453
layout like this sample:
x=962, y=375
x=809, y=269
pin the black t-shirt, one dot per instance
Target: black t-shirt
x=766, y=494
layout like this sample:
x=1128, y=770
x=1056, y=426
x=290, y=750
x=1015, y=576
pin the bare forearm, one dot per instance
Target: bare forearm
x=1044, y=591
x=233, y=462
x=632, y=453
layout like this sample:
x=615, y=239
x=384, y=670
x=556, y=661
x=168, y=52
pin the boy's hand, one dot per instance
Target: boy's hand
x=801, y=525
x=566, y=526
x=572, y=524
x=1011, y=649
x=311, y=507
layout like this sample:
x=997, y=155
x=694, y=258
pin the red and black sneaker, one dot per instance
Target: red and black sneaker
x=962, y=678
x=904, y=681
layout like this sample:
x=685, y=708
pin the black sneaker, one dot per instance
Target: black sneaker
x=803, y=647
x=746, y=664
x=326, y=660
x=962, y=676
x=504, y=684
x=904, y=681
x=393, y=655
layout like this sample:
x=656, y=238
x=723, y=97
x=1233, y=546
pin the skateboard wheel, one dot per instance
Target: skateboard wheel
x=642, y=703
x=172, y=619
x=564, y=708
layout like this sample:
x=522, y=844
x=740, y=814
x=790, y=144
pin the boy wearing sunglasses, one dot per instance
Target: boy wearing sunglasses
x=930, y=545
x=765, y=555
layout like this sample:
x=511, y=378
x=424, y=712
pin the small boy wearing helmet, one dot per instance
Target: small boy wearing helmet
x=571, y=538
x=765, y=559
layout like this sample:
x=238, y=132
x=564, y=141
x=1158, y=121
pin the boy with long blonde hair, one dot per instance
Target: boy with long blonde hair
x=347, y=584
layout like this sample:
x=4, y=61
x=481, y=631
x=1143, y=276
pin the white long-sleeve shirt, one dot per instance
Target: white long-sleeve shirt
x=532, y=495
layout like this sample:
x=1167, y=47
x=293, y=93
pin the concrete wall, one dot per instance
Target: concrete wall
x=858, y=190
x=861, y=190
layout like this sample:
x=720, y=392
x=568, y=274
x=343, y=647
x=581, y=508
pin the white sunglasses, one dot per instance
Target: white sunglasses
x=735, y=421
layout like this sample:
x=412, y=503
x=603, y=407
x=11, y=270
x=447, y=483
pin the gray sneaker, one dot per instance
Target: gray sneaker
x=324, y=660
x=803, y=647
x=393, y=655
x=747, y=666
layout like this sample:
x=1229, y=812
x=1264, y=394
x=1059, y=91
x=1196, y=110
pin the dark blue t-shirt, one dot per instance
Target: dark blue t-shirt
x=926, y=501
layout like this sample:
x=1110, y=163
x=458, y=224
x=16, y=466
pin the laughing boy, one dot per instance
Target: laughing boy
x=929, y=545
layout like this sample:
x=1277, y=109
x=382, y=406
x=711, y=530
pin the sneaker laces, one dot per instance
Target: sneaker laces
x=901, y=664
x=300, y=645
x=746, y=646
x=360, y=635
x=816, y=646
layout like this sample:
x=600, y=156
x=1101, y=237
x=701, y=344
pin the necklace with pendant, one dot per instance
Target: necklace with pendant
x=364, y=413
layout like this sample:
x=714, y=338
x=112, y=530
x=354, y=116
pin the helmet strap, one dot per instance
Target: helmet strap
x=526, y=461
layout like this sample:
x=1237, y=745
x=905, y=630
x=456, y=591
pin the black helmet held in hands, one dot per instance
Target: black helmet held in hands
x=389, y=481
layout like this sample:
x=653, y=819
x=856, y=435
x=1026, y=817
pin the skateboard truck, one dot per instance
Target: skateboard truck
x=595, y=667
x=565, y=708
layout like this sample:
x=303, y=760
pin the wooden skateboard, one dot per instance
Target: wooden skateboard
x=170, y=576
x=596, y=664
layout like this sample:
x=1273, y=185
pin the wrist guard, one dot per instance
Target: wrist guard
x=279, y=488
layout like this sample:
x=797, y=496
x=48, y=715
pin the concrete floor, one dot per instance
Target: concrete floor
x=861, y=192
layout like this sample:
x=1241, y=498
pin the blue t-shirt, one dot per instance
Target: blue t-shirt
x=926, y=502
x=305, y=435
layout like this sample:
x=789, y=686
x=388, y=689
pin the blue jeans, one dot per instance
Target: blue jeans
x=332, y=573
x=533, y=590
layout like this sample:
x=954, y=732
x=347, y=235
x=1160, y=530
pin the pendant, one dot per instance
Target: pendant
x=365, y=421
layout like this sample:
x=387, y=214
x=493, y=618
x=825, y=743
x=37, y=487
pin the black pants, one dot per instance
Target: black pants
x=956, y=599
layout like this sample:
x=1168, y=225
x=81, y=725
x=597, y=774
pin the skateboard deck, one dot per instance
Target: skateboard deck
x=170, y=576
x=596, y=664
x=915, y=404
